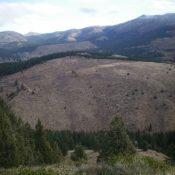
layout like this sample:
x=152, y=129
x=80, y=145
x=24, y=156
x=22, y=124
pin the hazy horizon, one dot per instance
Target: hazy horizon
x=46, y=16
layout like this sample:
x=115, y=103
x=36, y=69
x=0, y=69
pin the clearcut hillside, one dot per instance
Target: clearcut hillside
x=85, y=94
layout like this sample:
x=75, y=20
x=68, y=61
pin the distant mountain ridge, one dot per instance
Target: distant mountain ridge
x=148, y=37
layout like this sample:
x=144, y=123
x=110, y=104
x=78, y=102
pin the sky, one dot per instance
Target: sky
x=44, y=16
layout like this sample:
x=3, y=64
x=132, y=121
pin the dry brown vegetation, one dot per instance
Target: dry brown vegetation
x=85, y=94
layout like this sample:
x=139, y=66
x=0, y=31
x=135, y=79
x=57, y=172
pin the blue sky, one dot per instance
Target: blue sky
x=56, y=15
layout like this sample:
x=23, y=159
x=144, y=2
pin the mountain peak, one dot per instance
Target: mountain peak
x=11, y=37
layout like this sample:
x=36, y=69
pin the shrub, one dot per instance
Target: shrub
x=130, y=165
x=12, y=95
x=61, y=170
x=155, y=97
x=78, y=154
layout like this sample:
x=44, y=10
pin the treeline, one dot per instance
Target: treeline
x=13, y=67
x=67, y=140
x=21, y=145
x=161, y=142
x=109, y=143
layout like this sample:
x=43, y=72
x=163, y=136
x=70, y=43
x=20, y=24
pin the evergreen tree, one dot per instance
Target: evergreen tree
x=8, y=156
x=171, y=151
x=15, y=143
x=116, y=141
x=57, y=154
x=21, y=145
x=42, y=144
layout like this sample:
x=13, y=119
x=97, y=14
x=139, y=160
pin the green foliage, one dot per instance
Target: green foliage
x=16, y=145
x=121, y=165
x=42, y=144
x=116, y=141
x=28, y=171
x=171, y=150
x=78, y=154
x=67, y=140
x=52, y=170
x=161, y=142
x=13, y=67
x=130, y=165
x=57, y=153
x=21, y=145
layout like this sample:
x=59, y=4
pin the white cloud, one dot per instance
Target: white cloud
x=55, y=15
x=160, y=6
x=27, y=16
x=88, y=10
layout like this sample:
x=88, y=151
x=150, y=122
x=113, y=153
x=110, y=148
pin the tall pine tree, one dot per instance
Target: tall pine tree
x=116, y=141
x=42, y=144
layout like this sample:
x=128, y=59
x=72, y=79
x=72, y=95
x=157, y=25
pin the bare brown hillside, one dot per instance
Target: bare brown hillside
x=85, y=94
